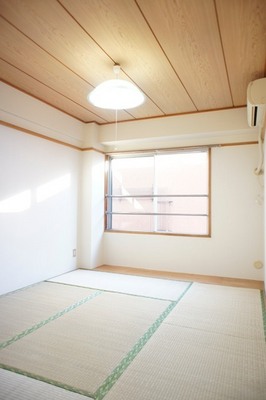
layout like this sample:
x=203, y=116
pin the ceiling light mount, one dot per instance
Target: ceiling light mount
x=116, y=69
x=116, y=94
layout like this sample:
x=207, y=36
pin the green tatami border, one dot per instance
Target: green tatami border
x=126, y=361
x=121, y=367
x=46, y=321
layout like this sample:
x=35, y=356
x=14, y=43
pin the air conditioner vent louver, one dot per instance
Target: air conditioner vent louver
x=256, y=102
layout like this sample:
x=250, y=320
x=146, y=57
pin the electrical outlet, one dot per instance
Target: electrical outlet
x=74, y=252
x=258, y=264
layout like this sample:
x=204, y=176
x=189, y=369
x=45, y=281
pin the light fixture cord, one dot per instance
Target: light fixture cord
x=116, y=71
x=116, y=125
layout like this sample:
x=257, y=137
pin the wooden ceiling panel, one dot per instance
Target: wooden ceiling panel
x=42, y=92
x=243, y=32
x=28, y=57
x=120, y=29
x=54, y=30
x=189, y=35
x=185, y=55
x=51, y=27
x=17, y=50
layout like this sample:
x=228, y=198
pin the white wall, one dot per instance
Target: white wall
x=237, y=227
x=22, y=110
x=38, y=208
x=36, y=242
x=91, y=210
x=213, y=127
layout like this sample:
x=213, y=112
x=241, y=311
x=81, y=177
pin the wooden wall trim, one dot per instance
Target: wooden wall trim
x=42, y=136
x=150, y=150
x=39, y=135
x=93, y=149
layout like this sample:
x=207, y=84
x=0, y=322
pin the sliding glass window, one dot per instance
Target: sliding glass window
x=160, y=193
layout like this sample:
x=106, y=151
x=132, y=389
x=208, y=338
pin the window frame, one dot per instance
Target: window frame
x=108, y=183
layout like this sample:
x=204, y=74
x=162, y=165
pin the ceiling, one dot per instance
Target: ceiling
x=185, y=55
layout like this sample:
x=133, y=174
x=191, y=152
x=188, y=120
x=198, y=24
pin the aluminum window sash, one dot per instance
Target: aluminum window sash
x=166, y=214
x=121, y=196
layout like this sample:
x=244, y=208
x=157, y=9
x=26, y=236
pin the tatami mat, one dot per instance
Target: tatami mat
x=136, y=285
x=18, y=387
x=82, y=343
x=184, y=363
x=24, y=308
x=80, y=349
x=211, y=346
x=222, y=309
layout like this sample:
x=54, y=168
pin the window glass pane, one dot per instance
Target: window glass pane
x=172, y=205
x=133, y=205
x=182, y=173
x=133, y=175
x=174, y=184
x=183, y=205
x=164, y=224
x=183, y=225
x=133, y=223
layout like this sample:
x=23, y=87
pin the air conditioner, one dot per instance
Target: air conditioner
x=256, y=102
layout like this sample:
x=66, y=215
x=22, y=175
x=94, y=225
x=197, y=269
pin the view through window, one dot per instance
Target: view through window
x=163, y=193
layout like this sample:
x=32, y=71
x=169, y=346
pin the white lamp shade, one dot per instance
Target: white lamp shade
x=116, y=94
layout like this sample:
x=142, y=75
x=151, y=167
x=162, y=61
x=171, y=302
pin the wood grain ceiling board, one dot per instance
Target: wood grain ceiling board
x=243, y=31
x=121, y=30
x=48, y=25
x=185, y=55
x=188, y=32
x=42, y=92
x=18, y=50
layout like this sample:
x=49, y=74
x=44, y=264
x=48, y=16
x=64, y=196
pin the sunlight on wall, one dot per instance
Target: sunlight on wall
x=52, y=188
x=23, y=201
x=18, y=203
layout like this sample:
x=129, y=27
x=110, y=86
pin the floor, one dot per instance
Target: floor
x=208, y=344
x=215, y=280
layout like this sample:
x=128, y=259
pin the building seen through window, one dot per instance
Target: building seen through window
x=163, y=193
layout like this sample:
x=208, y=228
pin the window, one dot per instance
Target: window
x=162, y=192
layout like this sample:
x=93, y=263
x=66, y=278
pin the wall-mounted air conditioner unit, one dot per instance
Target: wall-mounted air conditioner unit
x=256, y=102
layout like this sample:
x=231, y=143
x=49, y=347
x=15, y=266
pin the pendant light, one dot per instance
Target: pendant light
x=116, y=94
